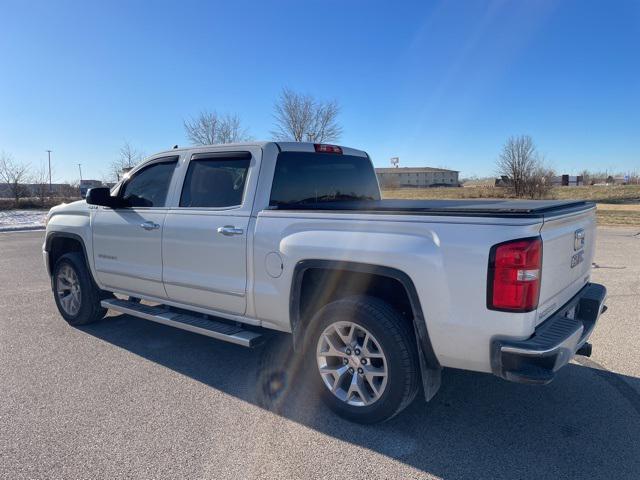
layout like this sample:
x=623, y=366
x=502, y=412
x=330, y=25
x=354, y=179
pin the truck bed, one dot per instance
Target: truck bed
x=472, y=208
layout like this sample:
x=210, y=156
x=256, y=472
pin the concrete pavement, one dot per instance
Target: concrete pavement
x=126, y=398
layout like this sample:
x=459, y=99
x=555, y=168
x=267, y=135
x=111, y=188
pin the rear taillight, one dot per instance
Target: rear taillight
x=324, y=148
x=513, y=283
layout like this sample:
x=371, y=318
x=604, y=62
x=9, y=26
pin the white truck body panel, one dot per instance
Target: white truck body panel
x=194, y=272
x=436, y=255
x=126, y=255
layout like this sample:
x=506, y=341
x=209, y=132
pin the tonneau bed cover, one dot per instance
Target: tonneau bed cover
x=476, y=208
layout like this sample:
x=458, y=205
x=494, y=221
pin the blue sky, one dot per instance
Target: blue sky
x=435, y=83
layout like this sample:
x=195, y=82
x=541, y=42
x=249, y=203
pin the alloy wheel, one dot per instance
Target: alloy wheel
x=68, y=290
x=351, y=363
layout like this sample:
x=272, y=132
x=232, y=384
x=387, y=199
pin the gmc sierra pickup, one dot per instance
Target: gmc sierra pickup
x=378, y=295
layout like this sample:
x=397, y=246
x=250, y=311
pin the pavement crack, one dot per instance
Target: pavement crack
x=595, y=265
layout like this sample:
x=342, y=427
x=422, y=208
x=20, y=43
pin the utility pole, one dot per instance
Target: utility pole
x=49, y=152
x=80, y=184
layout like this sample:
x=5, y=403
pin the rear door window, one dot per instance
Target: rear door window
x=216, y=182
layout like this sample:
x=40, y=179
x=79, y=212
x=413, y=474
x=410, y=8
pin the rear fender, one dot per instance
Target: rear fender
x=429, y=366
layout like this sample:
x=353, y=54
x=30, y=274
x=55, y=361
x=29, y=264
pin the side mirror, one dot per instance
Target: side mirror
x=102, y=196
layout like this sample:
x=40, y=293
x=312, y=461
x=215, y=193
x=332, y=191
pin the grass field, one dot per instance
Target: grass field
x=617, y=205
x=612, y=214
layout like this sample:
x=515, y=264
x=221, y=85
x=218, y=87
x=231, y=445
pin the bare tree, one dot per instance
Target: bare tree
x=301, y=117
x=230, y=130
x=40, y=180
x=14, y=174
x=521, y=164
x=586, y=177
x=540, y=182
x=128, y=157
x=70, y=189
x=209, y=128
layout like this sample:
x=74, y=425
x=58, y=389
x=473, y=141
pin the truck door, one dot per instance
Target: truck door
x=205, y=236
x=127, y=242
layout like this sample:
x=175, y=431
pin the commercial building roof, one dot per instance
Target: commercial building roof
x=413, y=170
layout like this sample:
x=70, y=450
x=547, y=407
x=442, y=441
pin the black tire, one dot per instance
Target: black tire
x=395, y=336
x=90, y=295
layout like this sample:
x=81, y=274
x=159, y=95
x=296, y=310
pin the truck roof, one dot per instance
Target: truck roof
x=282, y=146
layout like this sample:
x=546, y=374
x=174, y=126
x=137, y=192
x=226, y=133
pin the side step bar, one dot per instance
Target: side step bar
x=211, y=328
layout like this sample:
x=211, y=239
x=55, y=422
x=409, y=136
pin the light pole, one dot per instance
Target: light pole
x=80, y=185
x=49, y=152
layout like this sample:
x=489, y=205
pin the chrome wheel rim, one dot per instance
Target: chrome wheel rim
x=352, y=364
x=68, y=290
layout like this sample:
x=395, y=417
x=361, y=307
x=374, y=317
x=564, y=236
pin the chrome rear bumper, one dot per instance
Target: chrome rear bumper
x=554, y=343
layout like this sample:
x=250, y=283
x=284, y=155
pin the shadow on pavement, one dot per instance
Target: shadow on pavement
x=586, y=424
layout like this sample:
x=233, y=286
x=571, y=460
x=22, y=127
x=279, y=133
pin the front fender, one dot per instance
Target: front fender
x=71, y=221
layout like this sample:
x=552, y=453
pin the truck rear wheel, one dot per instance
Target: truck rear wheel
x=366, y=359
x=77, y=296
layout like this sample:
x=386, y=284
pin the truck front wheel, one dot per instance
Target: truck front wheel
x=77, y=296
x=365, y=356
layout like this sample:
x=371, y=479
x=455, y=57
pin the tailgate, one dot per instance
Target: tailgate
x=568, y=245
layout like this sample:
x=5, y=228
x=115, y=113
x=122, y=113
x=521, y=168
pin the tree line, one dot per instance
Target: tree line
x=297, y=117
x=21, y=180
x=528, y=176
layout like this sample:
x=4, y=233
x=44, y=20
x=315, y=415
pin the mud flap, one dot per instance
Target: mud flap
x=431, y=377
x=430, y=371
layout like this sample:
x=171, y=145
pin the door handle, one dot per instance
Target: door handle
x=229, y=230
x=149, y=226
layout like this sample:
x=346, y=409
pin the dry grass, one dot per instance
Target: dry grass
x=617, y=205
x=612, y=214
x=444, y=193
x=604, y=194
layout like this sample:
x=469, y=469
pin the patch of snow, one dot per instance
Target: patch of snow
x=11, y=220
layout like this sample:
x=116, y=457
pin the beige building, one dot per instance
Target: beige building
x=417, y=177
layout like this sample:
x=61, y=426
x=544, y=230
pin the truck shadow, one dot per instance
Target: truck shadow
x=586, y=423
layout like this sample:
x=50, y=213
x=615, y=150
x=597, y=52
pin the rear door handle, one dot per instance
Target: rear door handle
x=149, y=226
x=230, y=230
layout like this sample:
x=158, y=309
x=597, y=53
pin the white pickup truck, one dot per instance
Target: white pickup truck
x=378, y=295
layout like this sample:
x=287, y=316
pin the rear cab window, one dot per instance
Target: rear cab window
x=310, y=178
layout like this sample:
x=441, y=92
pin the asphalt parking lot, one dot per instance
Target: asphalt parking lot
x=126, y=398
